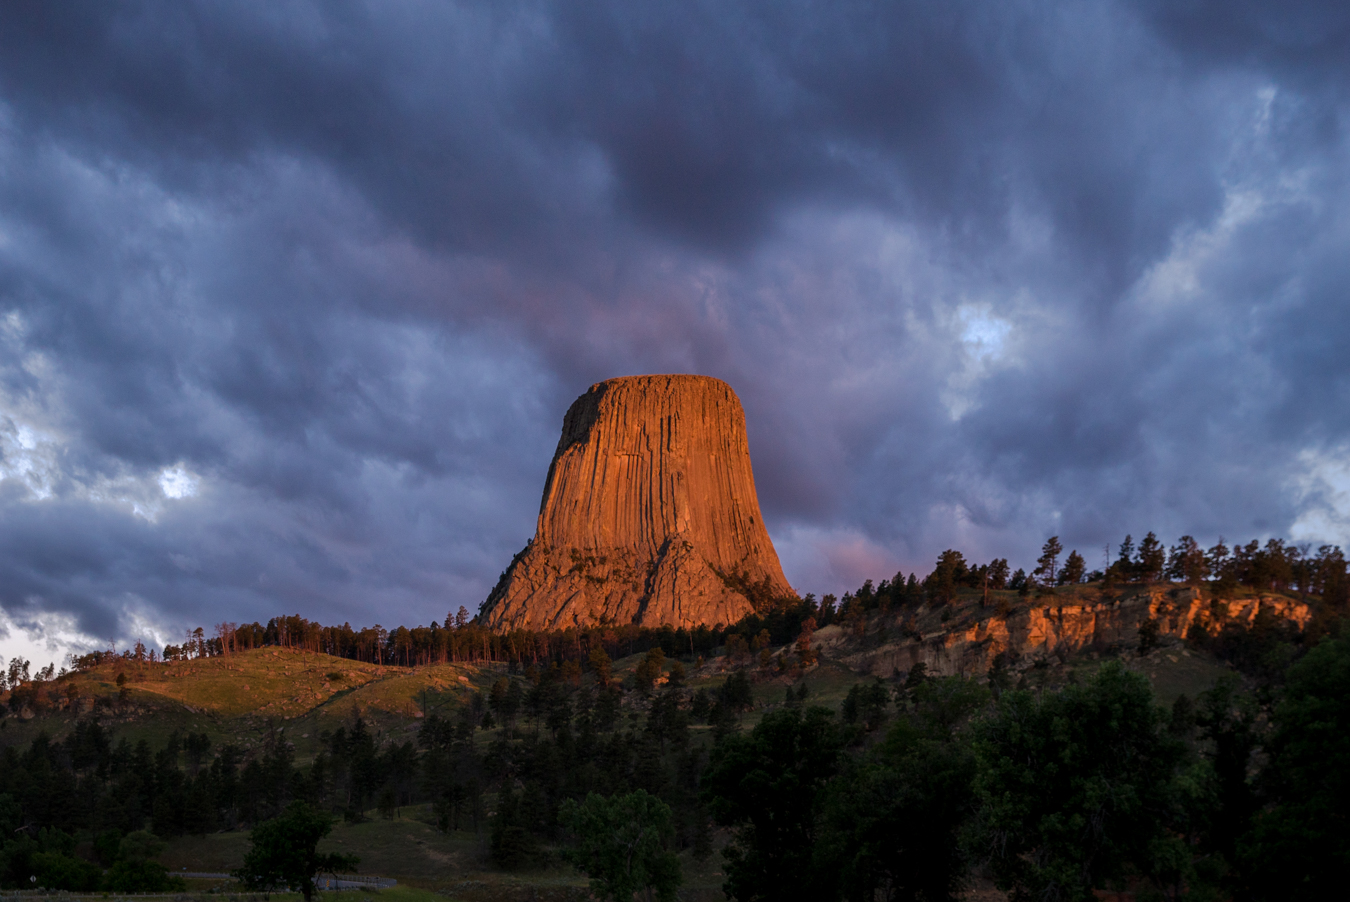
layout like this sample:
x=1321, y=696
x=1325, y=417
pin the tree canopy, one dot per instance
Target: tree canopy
x=283, y=852
x=1078, y=786
x=767, y=787
x=623, y=845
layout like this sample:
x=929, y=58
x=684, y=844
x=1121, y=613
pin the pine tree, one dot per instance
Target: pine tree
x=1074, y=568
x=942, y=582
x=998, y=573
x=1124, y=565
x=1047, y=562
x=1187, y=561
x=1152, y=558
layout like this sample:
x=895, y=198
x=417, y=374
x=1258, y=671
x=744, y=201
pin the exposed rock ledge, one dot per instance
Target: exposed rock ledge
x=1055, y=629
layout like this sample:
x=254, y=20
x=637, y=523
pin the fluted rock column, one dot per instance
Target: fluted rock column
x=649, y=515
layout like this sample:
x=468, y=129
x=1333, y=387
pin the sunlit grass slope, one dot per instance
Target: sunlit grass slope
x=241, y=697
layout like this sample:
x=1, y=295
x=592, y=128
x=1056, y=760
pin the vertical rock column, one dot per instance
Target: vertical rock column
x=649, y=515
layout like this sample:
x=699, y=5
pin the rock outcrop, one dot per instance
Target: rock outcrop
x=1041, y=631
x=649, y=515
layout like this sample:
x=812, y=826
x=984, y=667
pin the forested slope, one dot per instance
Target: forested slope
x=901, y=741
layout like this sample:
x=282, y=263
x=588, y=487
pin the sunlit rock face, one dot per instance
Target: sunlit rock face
x=649, y=515
x=1040, y=632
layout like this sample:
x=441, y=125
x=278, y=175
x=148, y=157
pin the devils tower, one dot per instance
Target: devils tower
x=649, y=515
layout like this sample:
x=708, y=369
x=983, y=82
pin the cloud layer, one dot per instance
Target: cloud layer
x=293, y=297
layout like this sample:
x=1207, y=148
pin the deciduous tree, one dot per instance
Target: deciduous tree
x=623, y=844
x=1078, y=787
x=766, y=786
x=894, y=818
x=1298, y=848
x=283, y=852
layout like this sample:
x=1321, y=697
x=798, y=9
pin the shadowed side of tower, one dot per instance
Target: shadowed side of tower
x=649, y=514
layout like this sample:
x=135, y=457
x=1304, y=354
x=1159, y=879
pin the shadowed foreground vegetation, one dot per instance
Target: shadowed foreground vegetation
x=756, y=766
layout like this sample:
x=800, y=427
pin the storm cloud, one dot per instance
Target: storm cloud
x=293, y=296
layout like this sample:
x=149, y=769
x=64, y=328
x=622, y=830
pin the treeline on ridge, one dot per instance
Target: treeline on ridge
x=1275, y=566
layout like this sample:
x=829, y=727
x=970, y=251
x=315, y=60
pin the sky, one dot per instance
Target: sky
x=294, y=295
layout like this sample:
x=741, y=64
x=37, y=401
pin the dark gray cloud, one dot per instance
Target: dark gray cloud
x=292, y=298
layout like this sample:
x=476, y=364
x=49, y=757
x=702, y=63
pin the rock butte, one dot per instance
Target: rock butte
x=649, y=515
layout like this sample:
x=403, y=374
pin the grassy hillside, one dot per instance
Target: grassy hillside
x=421, y=856
x=240, y=697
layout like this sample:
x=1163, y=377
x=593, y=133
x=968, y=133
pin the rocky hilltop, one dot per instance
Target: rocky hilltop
x=969, y=640
x=649, y=515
